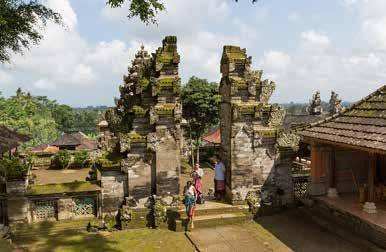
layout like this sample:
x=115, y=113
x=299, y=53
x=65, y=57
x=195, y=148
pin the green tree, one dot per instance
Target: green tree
x=61, y=160
x=20, y=22
x=86, y=121
x=64, y=116
x=27, y=114
x=146, y=10
x=200, y=106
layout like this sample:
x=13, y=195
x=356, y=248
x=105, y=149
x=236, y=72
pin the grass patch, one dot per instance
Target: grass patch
x=77, y=186
x=131, y=240
x=4, y=246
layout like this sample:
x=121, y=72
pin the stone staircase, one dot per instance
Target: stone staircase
x=212, y=214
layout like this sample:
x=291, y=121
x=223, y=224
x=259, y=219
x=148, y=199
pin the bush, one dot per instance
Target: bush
x=81, y=159
x=61, y=160
x=14, y=167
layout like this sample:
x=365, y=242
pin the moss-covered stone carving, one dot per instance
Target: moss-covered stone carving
x=147, y=109
x=250, y=126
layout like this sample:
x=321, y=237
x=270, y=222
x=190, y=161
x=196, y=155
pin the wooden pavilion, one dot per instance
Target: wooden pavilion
x=348, y=153
x=10, y=139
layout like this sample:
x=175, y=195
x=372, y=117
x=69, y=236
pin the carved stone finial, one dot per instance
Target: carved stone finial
x=315, y=106
x=335, y=106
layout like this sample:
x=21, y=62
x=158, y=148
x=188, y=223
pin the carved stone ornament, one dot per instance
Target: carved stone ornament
x=236, y=112
x=248, y=129
x=153, y=116
x=288, y=140
x=178, y=112
x=124, y=143
x=152, y=141
x=267, y=88
x=335, y=105
x=236, y=129
x=276, y=117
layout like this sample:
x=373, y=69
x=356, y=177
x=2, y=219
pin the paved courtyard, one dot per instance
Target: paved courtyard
x=288, y=231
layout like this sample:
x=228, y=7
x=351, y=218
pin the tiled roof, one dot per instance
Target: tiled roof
x=292, y=122
x=9, y=139
x=77, y=139
x=362, y=125
x=67, y=140
x=213, y=136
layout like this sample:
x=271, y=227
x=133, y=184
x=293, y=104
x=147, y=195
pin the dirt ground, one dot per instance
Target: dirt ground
x=46, y=176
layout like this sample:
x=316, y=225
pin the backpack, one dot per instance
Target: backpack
x=200, y=199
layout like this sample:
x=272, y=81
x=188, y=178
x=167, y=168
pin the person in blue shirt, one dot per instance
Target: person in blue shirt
x=219, y=178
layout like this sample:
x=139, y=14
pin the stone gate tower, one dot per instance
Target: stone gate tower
x=145, y=126
x=249, y=125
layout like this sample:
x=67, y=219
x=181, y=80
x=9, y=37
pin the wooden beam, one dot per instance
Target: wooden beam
x=310, y=140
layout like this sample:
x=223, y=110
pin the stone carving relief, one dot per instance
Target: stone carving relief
x=267, y=88
x=277, y=116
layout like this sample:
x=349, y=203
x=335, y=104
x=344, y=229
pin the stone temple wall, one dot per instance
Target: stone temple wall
x=146, y=125
x=250, y=127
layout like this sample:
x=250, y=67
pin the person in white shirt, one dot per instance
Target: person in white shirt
x=190, y=201
x=219, y=178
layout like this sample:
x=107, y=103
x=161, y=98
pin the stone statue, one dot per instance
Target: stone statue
x=315, y=107
x=335, y=106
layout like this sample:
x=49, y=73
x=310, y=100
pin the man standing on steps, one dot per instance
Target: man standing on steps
x=219, y=178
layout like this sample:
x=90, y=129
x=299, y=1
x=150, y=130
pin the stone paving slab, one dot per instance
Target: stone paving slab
x=235, y=238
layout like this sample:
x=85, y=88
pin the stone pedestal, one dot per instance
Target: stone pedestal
x=369, y=207
x=332, y=192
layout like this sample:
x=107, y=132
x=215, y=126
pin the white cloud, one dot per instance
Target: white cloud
x=314, y=40
x=318, y=64
x=276, y=60
x=66, y=11
x=44, y=84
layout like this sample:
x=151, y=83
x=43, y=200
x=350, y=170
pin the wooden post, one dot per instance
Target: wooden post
x=371, y=177
x=333, y=167
x=314, y=165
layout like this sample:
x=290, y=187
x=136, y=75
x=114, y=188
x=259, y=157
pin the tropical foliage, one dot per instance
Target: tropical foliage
x=61, y=160
x=44, y=119
x=20, y=25
x=13, y=167
x=200, y=106
x=145, y=10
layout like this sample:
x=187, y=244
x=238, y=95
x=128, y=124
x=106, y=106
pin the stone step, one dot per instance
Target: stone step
x=211, y=220
x=209, y=209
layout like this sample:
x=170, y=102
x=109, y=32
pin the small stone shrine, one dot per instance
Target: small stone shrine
x=315, y=106
x=335, y=105
x=250, y=128
x=144, y=144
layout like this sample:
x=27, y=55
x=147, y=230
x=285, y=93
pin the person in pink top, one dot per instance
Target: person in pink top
x=197, y=175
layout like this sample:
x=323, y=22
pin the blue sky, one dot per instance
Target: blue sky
x=302, y=45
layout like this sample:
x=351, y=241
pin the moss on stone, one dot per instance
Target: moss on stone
x=139, y=111
x=136, y=137
x=77, y=186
